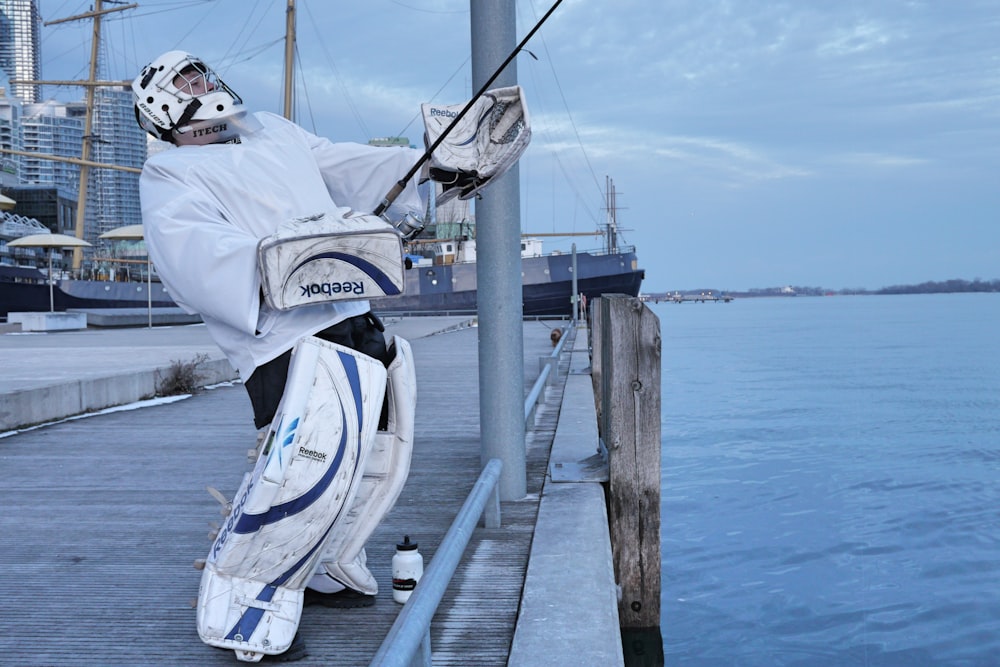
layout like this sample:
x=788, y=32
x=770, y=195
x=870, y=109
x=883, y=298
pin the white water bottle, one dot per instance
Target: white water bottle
x=407, y=568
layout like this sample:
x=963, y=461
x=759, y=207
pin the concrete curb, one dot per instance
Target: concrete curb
x=44, y=404
x=39, y=403
x=569, y=608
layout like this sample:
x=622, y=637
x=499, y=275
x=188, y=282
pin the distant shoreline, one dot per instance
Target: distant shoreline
x=956, y=286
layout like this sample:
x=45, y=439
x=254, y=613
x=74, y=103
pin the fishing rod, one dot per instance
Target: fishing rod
x=395, y=191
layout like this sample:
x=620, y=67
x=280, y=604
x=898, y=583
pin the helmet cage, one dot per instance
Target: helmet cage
x=178, y=88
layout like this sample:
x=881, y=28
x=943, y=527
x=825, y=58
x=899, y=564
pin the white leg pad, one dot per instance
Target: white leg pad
x=250, y=599
x=386, y=470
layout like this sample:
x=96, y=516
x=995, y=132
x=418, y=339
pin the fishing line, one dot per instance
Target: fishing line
x=401, y=184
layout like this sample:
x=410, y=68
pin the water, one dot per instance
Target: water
x=831, y=481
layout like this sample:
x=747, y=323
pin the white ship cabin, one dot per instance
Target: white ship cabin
x=531, y=247
x=457, y=251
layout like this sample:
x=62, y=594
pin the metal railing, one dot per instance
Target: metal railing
x=408, y=642
x=548, y=370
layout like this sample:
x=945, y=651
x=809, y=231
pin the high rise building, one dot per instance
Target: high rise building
x=56, y=128
x=10, y=134
x=113, y=194
x=52, y=128
x=20, y=55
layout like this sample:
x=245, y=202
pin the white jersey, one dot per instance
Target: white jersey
x=204, y=208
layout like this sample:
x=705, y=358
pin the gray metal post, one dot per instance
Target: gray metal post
x=576, y=289
x=498, y=272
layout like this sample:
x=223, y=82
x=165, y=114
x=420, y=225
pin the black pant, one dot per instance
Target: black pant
x=267, y=383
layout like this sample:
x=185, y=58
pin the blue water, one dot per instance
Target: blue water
x=831, y=481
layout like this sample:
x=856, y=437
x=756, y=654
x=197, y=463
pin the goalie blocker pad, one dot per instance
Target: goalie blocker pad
x=487, y=141
x=250, y=598
x=386, y=470
x=331, y=256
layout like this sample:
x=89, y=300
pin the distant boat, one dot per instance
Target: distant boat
x=25, y=289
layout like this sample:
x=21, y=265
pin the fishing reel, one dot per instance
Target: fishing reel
x=409, y=226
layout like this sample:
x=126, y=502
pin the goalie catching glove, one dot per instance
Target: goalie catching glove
x=485, y=143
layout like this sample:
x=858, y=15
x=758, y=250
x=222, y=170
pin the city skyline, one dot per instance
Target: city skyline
x=754, y=144
x=52, y=127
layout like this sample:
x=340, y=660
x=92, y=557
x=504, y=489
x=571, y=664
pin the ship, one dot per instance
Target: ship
x=442, y=274
x=440, y=277
x=547, y=287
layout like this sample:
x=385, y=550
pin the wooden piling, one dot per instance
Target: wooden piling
x=626, y=340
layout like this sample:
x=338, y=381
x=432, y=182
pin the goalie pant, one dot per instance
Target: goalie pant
x=302, y=499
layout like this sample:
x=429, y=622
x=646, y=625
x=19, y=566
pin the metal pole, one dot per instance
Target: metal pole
x=52, y=299
x=574, y=300
x=397, y=189
x=149, y=289
x=498, y=272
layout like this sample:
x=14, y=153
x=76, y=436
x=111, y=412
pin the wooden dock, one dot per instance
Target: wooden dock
x=105, y=515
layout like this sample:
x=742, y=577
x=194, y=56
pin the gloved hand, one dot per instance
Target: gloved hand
x=454, y=183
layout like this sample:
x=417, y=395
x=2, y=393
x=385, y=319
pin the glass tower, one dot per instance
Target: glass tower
x=52, y=128
x=112, y=194
x=19, y=45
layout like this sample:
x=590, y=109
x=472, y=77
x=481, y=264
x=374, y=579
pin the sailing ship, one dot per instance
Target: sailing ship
x=441, y=275
x=442, y=278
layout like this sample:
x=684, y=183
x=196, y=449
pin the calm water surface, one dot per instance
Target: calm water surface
x=831, y=481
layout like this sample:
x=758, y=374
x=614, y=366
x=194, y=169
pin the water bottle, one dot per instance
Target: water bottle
x=407, y=568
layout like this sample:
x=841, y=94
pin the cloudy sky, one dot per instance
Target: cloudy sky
x=752, y=143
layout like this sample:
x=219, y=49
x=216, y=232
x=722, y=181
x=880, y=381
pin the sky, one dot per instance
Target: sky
x=751, y=143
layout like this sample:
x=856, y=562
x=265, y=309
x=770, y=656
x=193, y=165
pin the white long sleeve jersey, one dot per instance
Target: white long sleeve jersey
x=204, y=209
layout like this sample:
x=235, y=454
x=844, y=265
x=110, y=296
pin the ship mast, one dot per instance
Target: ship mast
x=90, y=84
x=288, y=110
x=88, y=128
x=612, y=228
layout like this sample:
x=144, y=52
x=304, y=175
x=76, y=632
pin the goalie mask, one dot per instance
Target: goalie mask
x=181, y=100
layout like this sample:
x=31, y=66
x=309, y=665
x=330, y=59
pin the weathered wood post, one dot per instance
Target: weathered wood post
x=626, y=367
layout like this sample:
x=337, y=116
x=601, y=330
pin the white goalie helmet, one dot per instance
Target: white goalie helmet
x=179, y=99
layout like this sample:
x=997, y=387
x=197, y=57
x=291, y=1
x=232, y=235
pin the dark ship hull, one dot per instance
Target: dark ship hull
x=547, y=286
x=25, y=290
x=430, y=289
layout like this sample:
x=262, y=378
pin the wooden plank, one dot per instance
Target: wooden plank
x=630, y=387
x=597, y=357
x=104, y=516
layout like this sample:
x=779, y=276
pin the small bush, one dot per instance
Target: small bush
x=183, y=377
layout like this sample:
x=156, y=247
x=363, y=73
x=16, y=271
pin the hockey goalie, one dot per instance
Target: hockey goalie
x=260, y=228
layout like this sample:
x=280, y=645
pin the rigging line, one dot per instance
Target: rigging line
x=252, y=53
x=305, y=93
x=337, y=75
x=51, y=38
x=126, y=58
x=568, y=113
x=116, y=53
x=395, y=191
x=429, y=11
x=572, y=185
x=176, y=6
x=249, y=34
x=571, y=182
x=434, y=97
